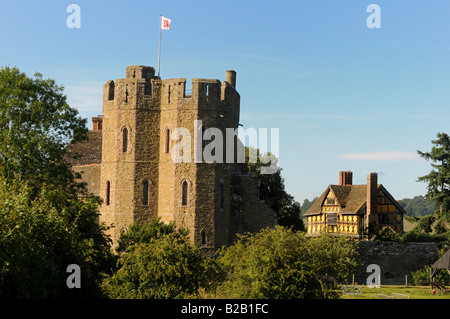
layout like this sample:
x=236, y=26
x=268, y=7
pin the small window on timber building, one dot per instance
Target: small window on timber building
x=330, y=201
x=383, y=219
x=145, y=193
x=332, y=219
x=125, y=140
x=184, y=195
x=108, y=193
x=167, y=141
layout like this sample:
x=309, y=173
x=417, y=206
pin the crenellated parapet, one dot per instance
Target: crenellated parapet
x=141, y=88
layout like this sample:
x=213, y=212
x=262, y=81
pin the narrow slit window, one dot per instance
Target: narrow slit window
x=184, y=195
x=125, y=140
x=111, y=91
x=145, y=193
x=203, y=237
x=167, y=142
x=108, y=193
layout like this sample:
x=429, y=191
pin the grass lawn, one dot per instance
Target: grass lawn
x=407, y=225
x=414, y=292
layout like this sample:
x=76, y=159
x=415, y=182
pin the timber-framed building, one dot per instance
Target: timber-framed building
x=357, y=211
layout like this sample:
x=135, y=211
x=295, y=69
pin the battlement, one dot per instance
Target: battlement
x=140, y=72
x=203, y=90
x=141, y=85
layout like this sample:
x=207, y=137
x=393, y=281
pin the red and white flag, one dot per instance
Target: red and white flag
x=165, y=23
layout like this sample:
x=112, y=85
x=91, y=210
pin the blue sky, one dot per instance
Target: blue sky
x=344, y=96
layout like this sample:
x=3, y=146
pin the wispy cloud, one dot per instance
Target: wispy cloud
x=382, y=156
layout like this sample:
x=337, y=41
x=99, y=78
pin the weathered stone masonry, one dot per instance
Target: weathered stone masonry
x=140, y=113
x=396, y=260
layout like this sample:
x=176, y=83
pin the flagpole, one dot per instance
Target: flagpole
x=159, y=51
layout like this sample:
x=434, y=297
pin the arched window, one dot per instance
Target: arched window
x=203, y=234
x=184, y=194
x=167, y=141
x=125, y=140
x=111, y=91
x=108, y=193
x=145, y=190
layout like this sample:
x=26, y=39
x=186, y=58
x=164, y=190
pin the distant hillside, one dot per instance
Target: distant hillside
x=307, y=204
x=417, y=206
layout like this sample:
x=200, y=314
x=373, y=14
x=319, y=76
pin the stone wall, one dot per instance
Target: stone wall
x=144, y=111
x=396, y=260
x=90, y=174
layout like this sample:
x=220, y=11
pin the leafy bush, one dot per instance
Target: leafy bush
x=421, y=276
x=158, y=262
x=425, y=224
x=145, y=232
x=387, y=234
x=415, y=236
x=280, y=263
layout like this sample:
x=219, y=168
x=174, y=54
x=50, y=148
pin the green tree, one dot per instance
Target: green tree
x=161, y=264
x=386, y=234
x=425, y=224
x=272, y=191
x=422, y=276
x=36, y=124
x=39, y=239
x=418, y=206
x=439, y=178
x=47, y=218
x=279, y=263
x=440, y=227
x=307, y=204
x=145, y=232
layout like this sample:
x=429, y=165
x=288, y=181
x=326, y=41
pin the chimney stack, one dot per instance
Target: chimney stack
x=371, y=205
x=345, y=178
x=97, y=123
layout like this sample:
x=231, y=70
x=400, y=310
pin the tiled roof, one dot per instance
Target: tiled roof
x=90, y=150
x=351, y=198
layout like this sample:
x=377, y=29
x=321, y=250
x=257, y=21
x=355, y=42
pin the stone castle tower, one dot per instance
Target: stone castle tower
x=129, y=162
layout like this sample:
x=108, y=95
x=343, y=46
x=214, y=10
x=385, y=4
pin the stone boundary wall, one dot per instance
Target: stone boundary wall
x=396, y=260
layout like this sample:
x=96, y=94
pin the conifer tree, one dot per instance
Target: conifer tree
x=439, y=178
